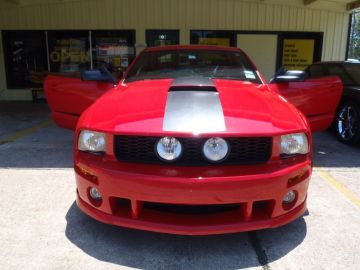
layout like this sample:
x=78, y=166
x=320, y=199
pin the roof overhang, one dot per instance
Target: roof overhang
x=353, y=5
x=334, y=5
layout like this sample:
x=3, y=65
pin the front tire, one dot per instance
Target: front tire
x=347, y=123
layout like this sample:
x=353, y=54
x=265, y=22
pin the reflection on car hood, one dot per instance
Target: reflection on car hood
x=141, y=108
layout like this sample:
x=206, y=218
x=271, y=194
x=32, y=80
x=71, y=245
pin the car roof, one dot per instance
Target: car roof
x=192, y=47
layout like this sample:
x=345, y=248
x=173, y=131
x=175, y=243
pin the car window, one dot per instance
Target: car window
x=339, y=70
x=353, y=71
x=216, y=64
x=316, y=71
x=335, y=70
x=165, y=58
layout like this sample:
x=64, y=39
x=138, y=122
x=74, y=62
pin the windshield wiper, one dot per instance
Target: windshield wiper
x=229, y=78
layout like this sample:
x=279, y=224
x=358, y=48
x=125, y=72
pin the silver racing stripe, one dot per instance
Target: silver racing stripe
x=192, y=81
x=194, y=111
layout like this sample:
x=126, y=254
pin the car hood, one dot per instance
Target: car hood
x=142, y=107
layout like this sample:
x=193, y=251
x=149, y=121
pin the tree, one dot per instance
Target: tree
x=354, y=42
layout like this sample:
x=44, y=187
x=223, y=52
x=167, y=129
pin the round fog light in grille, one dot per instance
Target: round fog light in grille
x=95, y=194
x=168, y=148
x=289, y=197
x=216, y=149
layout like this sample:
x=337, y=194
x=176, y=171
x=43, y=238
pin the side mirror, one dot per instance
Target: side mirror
x=121, y=75
x=290, y=76
x=100, y=75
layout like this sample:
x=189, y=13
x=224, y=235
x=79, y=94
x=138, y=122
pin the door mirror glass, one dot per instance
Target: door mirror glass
x=289, y=76
x=100, y=75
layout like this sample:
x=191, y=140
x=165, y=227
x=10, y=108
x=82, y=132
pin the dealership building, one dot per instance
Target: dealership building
x=66, y=36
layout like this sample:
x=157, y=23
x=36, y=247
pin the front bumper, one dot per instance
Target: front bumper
x=255, y=194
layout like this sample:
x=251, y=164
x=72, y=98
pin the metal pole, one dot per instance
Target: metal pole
x=91, y=52
x=47, y=50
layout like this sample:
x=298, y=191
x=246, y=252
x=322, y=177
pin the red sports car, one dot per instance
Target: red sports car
x=192, y=140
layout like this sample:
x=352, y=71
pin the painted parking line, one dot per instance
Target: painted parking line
x=25, y=132
x=347, y=193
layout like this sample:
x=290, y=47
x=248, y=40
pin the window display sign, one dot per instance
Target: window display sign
x=69, y=54
x=112, y=52
x=215, y=41
x=298, y=53
x=213, y=37
x=68, y=51
x=114, y=49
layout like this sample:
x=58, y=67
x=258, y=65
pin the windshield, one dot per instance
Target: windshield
x=215, y=64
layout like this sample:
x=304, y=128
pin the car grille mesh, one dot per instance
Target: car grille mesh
x=141, y=149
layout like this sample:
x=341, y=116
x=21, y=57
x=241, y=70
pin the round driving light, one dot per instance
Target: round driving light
x=95, y=194
x=168, y=148
x=289, y=197
x=215, y=149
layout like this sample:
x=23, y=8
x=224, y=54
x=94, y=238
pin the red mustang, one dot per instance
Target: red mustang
x=192, y=140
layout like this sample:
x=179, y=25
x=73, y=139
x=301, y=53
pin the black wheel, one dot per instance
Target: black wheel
x=348, y=123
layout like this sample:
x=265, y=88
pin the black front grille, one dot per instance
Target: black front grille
x=191, y=209
x=244, y=151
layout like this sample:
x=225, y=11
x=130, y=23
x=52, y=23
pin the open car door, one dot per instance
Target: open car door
x=316, y=98
x=68, y=97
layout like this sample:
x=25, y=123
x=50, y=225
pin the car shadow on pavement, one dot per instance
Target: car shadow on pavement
x=329, y=152
x=147, y=250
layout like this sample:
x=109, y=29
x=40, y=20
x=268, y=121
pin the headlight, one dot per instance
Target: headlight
x=169, y=148
x=215, y=149
x=92, y=141
x=293, y=144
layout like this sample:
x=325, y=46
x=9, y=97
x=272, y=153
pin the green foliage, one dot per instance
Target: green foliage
x=354, y=43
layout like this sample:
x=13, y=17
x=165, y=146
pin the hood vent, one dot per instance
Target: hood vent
x=192, y=88
x=193, y=83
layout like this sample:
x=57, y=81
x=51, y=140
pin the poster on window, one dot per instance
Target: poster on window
x=298, y=53
x=113, y=52
x=215, y=41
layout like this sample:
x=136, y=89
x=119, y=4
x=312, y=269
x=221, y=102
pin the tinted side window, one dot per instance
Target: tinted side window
x=353, y=70
x=316, y=71
x=338, y=70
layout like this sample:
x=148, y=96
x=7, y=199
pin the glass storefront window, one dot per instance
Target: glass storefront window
x=115, y=49
x=162, y=37
x=25, y=58
x=213, y=37
x=69, y=51
x=29, y=55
